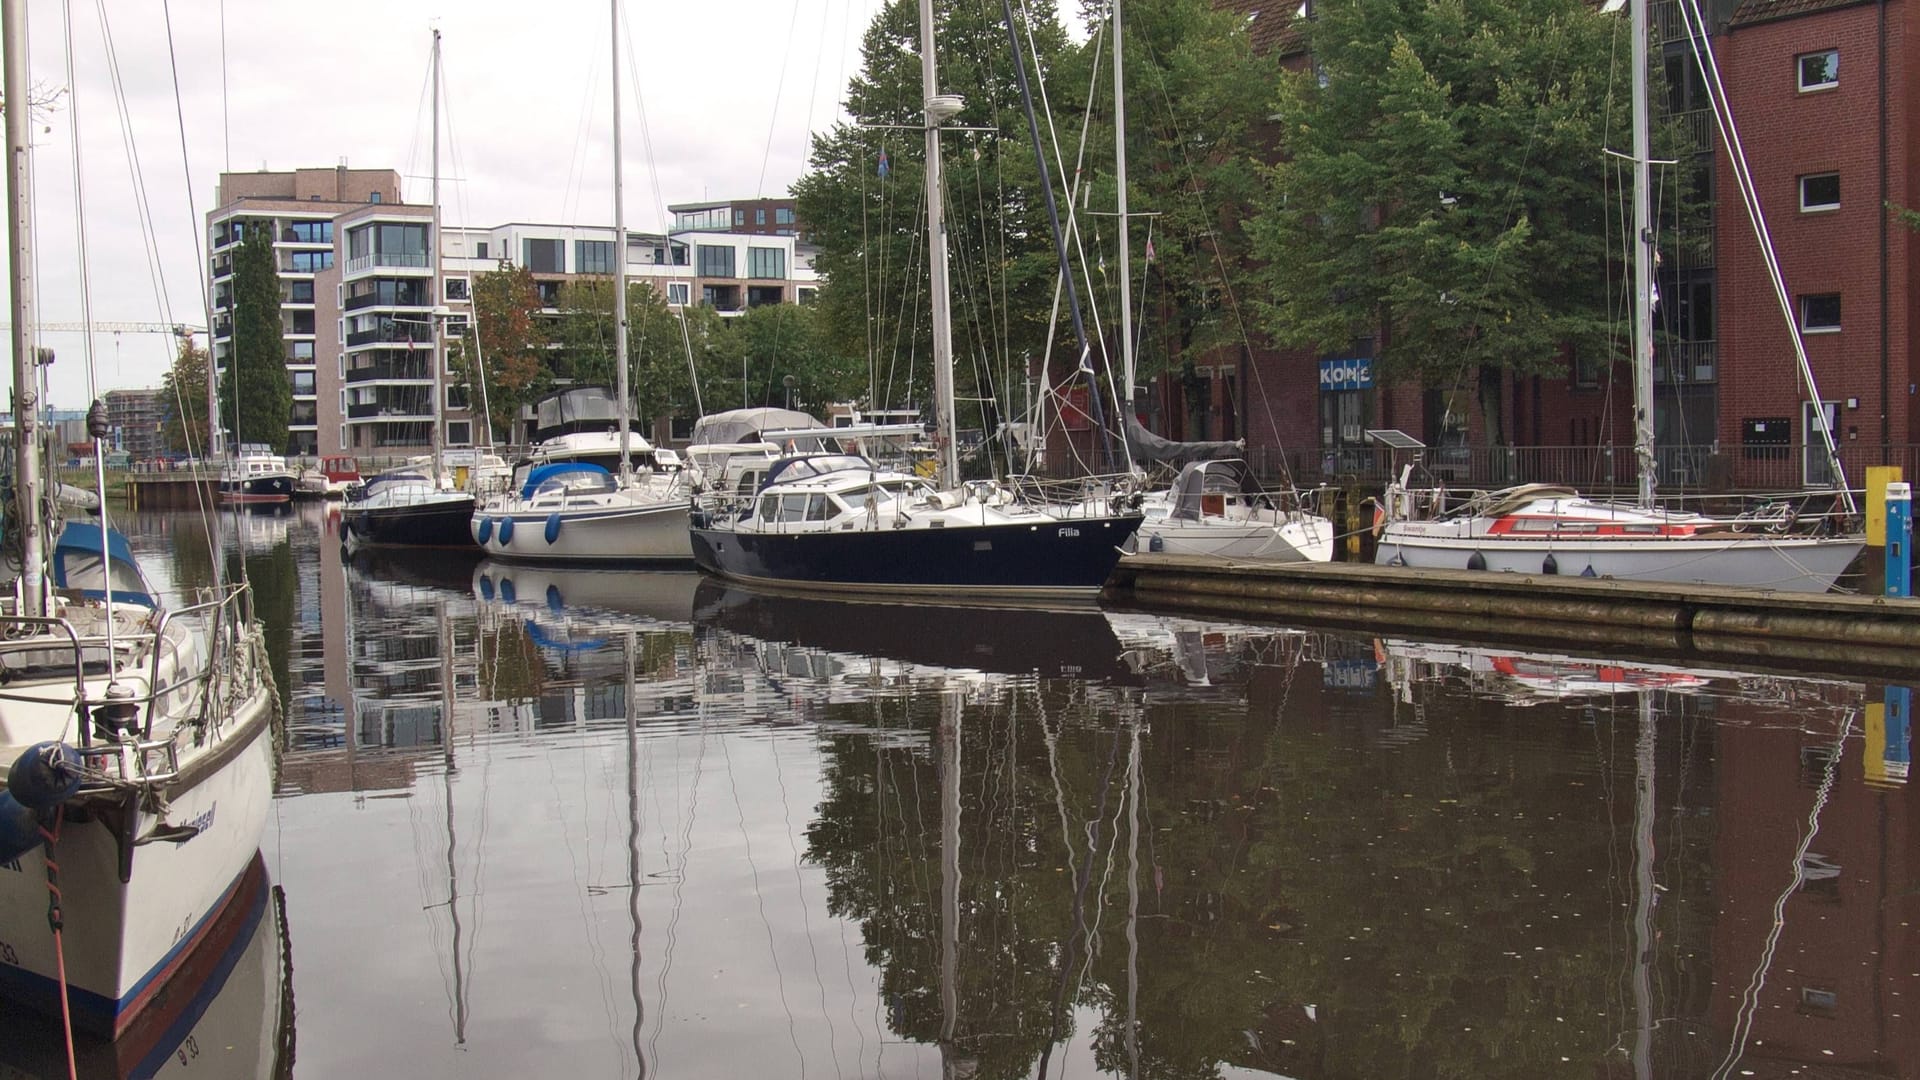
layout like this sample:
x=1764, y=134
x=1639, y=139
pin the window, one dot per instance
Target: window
x=760, y=216
x=480, y=249
x=1820, y=314
x=456, y=288
x=311, y=232
x=300, y=292
x=677, y=293
x=373, y=197
x=715, y=261
x=783, y=215
x=301, y=322
x=766, y=262
x=739, y=217
x=1820, y=192
x=457, y=397
x=301, y=352
x=1820, y=70
x=303, y=383
x=459, y=433
x=804, y=296
x=311, y=262
x=679, y=254
x=544, y=256
x=593, y=256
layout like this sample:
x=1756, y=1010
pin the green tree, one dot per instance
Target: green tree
x=1443, y=190
x=183, y=391
x=871, y=228
x=756, y=353
x=256, y=382
x=507, y=343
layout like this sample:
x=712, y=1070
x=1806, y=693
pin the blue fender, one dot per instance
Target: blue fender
x=484, y=531
x=45, y=775
x=506, y=531
x=507, y=590
x=553, y=527
x=486, y=588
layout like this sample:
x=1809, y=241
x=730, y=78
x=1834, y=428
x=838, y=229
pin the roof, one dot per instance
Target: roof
x=1759, y=11
x=1271, y=25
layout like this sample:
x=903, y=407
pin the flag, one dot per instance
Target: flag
x=1149, y=249
x=885, y=167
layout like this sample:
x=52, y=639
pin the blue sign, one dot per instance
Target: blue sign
x=1354, y=374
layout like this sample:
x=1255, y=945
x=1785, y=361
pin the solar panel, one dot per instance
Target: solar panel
x=1396, y=440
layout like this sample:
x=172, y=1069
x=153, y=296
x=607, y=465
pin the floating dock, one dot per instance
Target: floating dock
x=1830, y=632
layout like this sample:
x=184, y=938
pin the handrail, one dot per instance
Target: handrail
x=79, y=660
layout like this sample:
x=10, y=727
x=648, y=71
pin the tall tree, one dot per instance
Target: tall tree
x=256, y=383
x=1442, y=189
x=758, y=352
x=863, y=203
x=183, y=392
x=506, y=343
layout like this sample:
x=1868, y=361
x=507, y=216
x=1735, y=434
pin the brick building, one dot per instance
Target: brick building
x=1828, y=151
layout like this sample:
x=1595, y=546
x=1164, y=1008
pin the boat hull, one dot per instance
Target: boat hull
x=1784, y=563
x=654, y=533
x=125, y=941
x=258, y=489
x=1049, y=557
x=428, y=523
x=1292, y=541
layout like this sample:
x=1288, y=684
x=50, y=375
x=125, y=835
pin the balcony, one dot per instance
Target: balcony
x=1687, y=363
x=374, y=299
x=379, y=411
x=222, y=267
x=1698, y=125
x=404, y=260
x=385, y=371
x=392, y=335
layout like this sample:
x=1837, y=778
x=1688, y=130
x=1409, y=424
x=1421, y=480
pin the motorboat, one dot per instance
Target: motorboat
x=408, y=508
x=1214, y=509
x=255, y=475
x=328, y=479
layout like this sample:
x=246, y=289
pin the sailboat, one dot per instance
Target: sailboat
x=574, y=509
x=826, y=521
x=1550, y=529
x=414, y=506
x=133, y=733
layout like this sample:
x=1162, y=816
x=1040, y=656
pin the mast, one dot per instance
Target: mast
x=439, y=285
x=26, y=402
x=1126, y=260
x=619, y=261
x=938, y=109
x=1642, y=263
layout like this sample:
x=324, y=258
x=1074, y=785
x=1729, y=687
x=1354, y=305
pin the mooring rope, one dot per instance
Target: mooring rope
x=56, y=921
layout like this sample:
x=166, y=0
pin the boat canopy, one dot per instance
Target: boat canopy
x=78, y=564
x=1223, y=475
x=540, y=474
x=392, y=479
x=1144, y=445
x=577, y=408
x=745, y=425
x=789, y=470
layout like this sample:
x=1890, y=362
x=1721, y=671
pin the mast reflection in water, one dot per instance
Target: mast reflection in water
x=589, y=823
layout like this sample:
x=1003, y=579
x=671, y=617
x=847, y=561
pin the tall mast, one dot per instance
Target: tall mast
x=1126, y=262
x=1642, y=263
x=619, y=259
x=938, y=109
x=26, y=402
x=439, y=284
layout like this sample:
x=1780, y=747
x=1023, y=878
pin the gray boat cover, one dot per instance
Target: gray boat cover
x=1145, y=446
x=745, y=425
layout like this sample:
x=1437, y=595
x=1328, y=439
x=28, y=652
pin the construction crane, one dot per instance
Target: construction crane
x=176, y=329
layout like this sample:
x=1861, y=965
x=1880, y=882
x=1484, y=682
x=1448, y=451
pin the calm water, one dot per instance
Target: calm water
x=540, y=823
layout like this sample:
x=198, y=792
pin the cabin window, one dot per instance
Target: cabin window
x=769, y=508
x=793, y=507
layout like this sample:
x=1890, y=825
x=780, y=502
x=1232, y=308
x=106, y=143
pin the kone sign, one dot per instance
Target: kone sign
x=1353, y=374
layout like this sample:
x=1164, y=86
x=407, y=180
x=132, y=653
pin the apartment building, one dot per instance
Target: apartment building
x=300, y=207
x=136, y=418
x=756, y=217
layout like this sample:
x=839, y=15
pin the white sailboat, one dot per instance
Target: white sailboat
x=1546, y=529
x=134, y=733
x=570, y=510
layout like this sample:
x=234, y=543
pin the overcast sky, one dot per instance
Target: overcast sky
x=730, y=89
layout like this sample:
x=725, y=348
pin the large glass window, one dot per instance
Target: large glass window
x=301, y=352
x=300, y=292
x=763, y=262
x=677, y=292
x=311, y=232
x=543, y=256
x=715, y=261
x=783, y=215
x=593, y=256
x=456, y=288
x=303, y=383
x=311, y=262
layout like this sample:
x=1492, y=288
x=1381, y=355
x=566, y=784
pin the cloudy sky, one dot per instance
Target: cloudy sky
x=730, y=89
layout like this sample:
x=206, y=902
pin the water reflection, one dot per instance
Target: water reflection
x=543, y=822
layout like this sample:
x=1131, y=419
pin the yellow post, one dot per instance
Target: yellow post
x=1878, y=477
x=1876, y=756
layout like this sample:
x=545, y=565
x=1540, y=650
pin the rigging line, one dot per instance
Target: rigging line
x=163, y=301
x=760, y=899
x=660, y=205
x=1079, y=907
x=479, y=364
x=800, y=889
x=206, y=305
x=779, y=91
x=226, y=137
x=1750, y=997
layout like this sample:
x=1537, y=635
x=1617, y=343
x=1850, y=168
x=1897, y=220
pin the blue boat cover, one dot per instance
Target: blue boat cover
x=540, y=474
x=77, y=565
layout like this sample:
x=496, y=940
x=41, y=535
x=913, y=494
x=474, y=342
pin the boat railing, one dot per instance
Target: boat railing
x=1777, y=511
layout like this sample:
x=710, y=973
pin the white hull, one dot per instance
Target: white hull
x=1306, y=539
x=1755, y=560
x=122, y=940
x=645, y=532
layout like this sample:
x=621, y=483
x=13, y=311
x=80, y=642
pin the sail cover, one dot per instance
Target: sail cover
x=1145, y=446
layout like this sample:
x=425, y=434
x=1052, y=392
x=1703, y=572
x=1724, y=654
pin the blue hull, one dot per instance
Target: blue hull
x=441, y=523
x=1070, y=557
